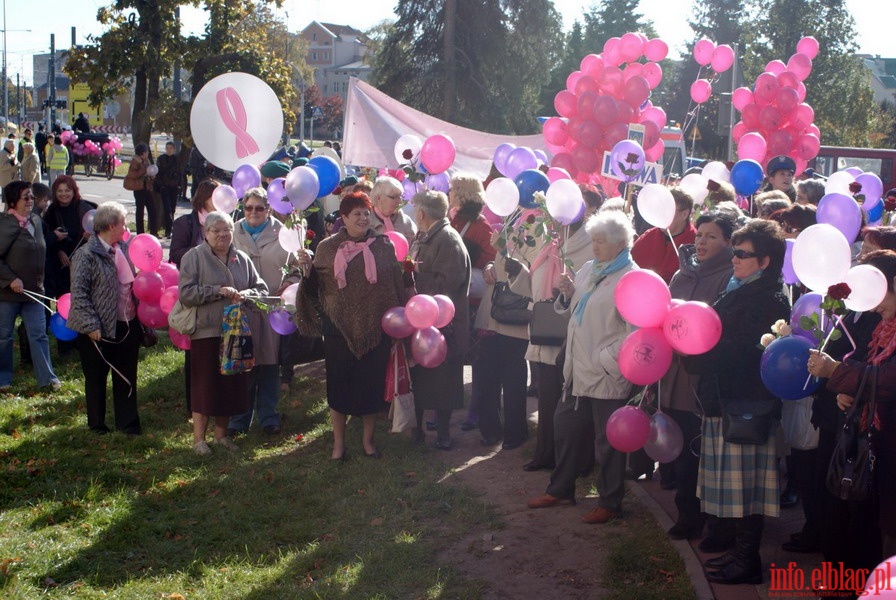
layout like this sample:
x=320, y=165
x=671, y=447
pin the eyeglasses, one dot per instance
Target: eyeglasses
x=790, y=229
x=221, y=231
x=254, y=208
x=742, y=254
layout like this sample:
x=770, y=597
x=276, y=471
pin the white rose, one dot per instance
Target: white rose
x=767, y=339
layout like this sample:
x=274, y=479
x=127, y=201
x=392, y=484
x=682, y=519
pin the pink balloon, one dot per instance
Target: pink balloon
x=807, y=146
x=808, y=46
x=692, y=328
x=656, y=50
x=168, y=298
x=169, y=273
x=628, y=429
x=786, y=99
x=145, y=251
x=554, y=130
x=63, y=305
x=741, y=97
x=645, y=356
x=703, y=50
x=653, y=73
x=701, y=90
x=446, y=310
x=776, y=67
x=428, y=347
x=722, y=58
x=422, y=311
x=401, y=244
x=591, y=65
x=766, y=87
x=395, y=323
x=151, y=315
x=438, y=153
x=572, y=80
x=556, y=173
x=180, y=340
x=802, y=116
x=655, y=114
x=642, y=297
x=566, y=104
x=666, y=440
x=752, y=146
x=636, y=90
x=800, y=65
x=631, y=46
x=148, y=287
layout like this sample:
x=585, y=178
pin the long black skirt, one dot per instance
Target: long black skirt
x=355, y=386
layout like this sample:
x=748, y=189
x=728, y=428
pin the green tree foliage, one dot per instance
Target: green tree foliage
x=480, y=64
x=613, y=18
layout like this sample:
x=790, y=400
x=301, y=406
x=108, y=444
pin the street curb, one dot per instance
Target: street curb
x=693, y=566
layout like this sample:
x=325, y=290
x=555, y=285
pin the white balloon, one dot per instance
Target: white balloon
x=564, y=201
x=408, y=141
x=656, y=205
x=717, y=171
x=289, y=294
x=695, y=185
x=821, y=257
x=152, y=170
x=289, y=239
x=838, y=183
x=868, y=287
x=502, y=196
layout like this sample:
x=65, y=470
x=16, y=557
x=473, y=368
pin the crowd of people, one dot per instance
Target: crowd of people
x=729, y=258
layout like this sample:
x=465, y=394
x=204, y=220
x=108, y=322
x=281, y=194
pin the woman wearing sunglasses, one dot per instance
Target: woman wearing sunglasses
x=737, y=477
x=258, y=236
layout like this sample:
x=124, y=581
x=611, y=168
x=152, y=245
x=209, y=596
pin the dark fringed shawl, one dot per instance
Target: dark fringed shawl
x=355, y=310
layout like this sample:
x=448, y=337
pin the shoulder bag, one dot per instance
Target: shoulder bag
x=182, y=318
x=548, y=327
x=508, y=307
x=851, y=470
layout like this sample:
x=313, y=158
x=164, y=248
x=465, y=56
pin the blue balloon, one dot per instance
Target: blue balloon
x=746, y=176
x=783, y=368
x=58, y=328
x=327, y=171
x=528, y=182
x=876, y=212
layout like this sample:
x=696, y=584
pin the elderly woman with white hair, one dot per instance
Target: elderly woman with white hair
x=104, y=313
x=594, y=386
x=386, y=216
x=212, y=276
x=30, y=163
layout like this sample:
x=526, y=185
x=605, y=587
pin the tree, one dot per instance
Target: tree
x=613, y=18
x=476, y=63
x=333, y=113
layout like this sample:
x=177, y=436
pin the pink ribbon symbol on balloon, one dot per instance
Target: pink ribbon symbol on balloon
x=233, y=114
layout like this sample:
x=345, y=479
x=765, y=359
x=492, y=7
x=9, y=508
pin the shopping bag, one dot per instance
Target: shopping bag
x=237, y=354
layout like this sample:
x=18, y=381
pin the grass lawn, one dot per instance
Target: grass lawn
x=86, y=516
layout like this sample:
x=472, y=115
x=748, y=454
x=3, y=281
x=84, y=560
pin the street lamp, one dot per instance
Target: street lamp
x=5, y=83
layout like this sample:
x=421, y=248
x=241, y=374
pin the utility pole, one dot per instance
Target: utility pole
x=52, y=76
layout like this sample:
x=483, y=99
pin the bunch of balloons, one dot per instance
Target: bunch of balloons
x=609, y=92
x=643, y=299
x=431, y=158
x=629, y=429
x=113, y=146
x=421, y=319
x=870, y=188
x=301, y=186
x=718, y=58
x=775, y=120
x=60, y=317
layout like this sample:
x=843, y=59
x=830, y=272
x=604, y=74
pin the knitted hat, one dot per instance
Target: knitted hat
x=780, y=163
x=274, y=169
x=299, y=162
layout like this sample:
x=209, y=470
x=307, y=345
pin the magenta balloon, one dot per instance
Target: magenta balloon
x=168, y=298
x=630, y=47
x=281, y=321
x=808, y=46
x=752, y=146
x=180, y=340
x=446, y=310
x=645, y=356
x=722, y=58
x=655, y=114
x=438, y=153
x=573, y=79
x=145, y=252
x=169, y=273
x=395, y=323
x=842, y=212
x=590, y=65
x=800, y=65
x=656, y=50
x=566, y=104
x=642, y=297
x=653, y=73
x=776, y=67
x=422, y=311
x=701, y=90
x=692, y=328
x=401, y=244
x=666, y=440
x=63, y=305
x=277, y=196
x=428, y=347
x=786, y=99
x=628, y=429
x=519, y=160
x=636, y=90
x=703, y=50
x=554, y=130
x=151, y=315
x=148, y=287
x=742, y=96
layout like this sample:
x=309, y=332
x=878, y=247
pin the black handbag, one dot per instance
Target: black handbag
x=747, y=422
x=548, y=327
x=851, y=470
x=508, y=307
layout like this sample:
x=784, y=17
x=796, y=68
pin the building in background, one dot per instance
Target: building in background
x=336, y=52
x=883, y=77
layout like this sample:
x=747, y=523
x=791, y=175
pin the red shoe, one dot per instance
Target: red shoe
x=599, y=516
x=548, y=501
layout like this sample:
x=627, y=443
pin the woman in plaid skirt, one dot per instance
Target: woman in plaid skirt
x=739, y=481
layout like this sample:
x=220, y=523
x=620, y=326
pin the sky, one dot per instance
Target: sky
x=29, y=23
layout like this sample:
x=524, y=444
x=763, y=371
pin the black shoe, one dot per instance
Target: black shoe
x=789, y=499
x=668, y=485
x=685, y=531
x=736, y=573
x=799, y=546
x=273, y=429
x=712, y=544
x=468, y=426
x=512, y=445
x=375, y=454
x=489, y=441
x=720, y=562
x=444, y=445
x=102, y=430
x=536, y=466
x=431, y=426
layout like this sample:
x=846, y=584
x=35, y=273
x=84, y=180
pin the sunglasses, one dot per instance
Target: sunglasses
x=742, y=254
x=254, y=208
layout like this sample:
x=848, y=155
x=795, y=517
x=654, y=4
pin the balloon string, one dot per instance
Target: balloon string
x=674, y=247
x=36, y=297
x=838, y=322
x=111, y=366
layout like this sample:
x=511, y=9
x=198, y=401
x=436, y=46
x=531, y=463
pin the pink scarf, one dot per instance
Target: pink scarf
x=346, y=252
x=550, y=258
x=23, y=221
x=387, y=221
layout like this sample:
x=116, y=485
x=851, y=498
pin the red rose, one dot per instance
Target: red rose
x=839, y=291
x=855, y=187
x=408, y=154
x=712, y=186
x=530, y=219
x=338, y=190
x=408, y=265
x=310, y=235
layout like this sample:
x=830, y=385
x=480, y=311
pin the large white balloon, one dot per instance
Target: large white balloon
x=695, y=185
x=502, y=196
x=408, y=141
x=821, y=257
x=564, y=201
x=717, y=171
x=838, y=183
x=868, y=287
x=656, y=205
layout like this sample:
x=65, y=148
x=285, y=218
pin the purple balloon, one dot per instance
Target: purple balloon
x=302, y=186
x=277, y=196
x=627, y=160
x=428, y=347
x=395, y=323
x=872, y=188
x=854, y=171
x=520, y=159
x=501, y=154
x=789, y=274
x=281, y=321
x=541, y=156
x=842, y=212
x=804, y=306
x=410, y=189
x=666, y=440
x=245, y=178
x=439, y=182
